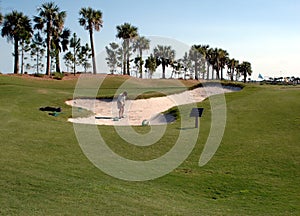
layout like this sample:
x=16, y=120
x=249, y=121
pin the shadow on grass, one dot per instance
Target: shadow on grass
x=186, y=128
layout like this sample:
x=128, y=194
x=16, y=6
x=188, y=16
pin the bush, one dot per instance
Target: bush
x=57, y=75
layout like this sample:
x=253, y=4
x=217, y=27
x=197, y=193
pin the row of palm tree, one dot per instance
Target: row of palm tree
x=17, y=28
x=200, y=60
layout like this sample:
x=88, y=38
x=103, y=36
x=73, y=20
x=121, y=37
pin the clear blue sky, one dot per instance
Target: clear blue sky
x=263, y=32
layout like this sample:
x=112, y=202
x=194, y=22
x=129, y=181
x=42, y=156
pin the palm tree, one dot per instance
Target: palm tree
x=60, y=39
x=60, y=43
x=210, y=60
x=245, y=69
x=126, y=32
x=140, y=44
x=75, y=44
x=151, y=65
x=165, y=56
x=232, y=65
x=16, y=27
x=91, y=20
x=217, y=60
x=48, y=19
x=223, y=56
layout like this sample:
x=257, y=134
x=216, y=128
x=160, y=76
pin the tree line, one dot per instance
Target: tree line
x=46, y=36
x=46, y=33
x=201, y=61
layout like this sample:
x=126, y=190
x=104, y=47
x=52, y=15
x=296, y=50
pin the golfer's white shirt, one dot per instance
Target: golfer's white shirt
x=121, y=99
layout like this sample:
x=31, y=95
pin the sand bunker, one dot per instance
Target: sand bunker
x=136, y=111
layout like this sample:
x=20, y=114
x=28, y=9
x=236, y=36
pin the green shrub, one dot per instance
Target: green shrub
x=57, y=75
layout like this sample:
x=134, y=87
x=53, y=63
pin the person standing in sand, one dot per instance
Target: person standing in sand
x=121, y=103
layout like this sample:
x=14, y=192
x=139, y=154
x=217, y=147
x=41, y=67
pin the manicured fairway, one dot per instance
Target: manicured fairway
x=43, y=170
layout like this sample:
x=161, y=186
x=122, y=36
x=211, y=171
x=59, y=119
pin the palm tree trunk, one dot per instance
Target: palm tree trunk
x=22, y=58
x=16, y=65
x=207, y=77
x=74, y=60
x=196, y=71
x=57, y=62
x=221, y=73
x=37, y=62
x=93, y=52
x=128, y=64
x=141, y=64
x=231, y=73
x=127, y=57
x=218, y=71
x=124, y=65
x=163, y=70
x=48, y=49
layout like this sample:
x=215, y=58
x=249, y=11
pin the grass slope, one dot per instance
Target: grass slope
x=44, y=172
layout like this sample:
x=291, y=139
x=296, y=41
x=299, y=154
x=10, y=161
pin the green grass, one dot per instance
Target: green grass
x=43, y=171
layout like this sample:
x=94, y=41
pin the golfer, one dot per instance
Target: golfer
x=121, y=103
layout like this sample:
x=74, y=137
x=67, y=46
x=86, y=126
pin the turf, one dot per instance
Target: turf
x=44, y=171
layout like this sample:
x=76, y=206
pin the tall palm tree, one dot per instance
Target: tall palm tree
x=210, y=59
x=232, y=65
x=151, y=65
x=126, y=32
x=60, y=43
x=218, y=56
x=60, y=38
x=91, y=20
x=16, y=27
x=216, y=62
x=140, y=44
x=223, y=56
x=48, y=19
x=245, y=69
x=165, y=56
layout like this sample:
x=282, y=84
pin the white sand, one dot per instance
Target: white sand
x=143, y=109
